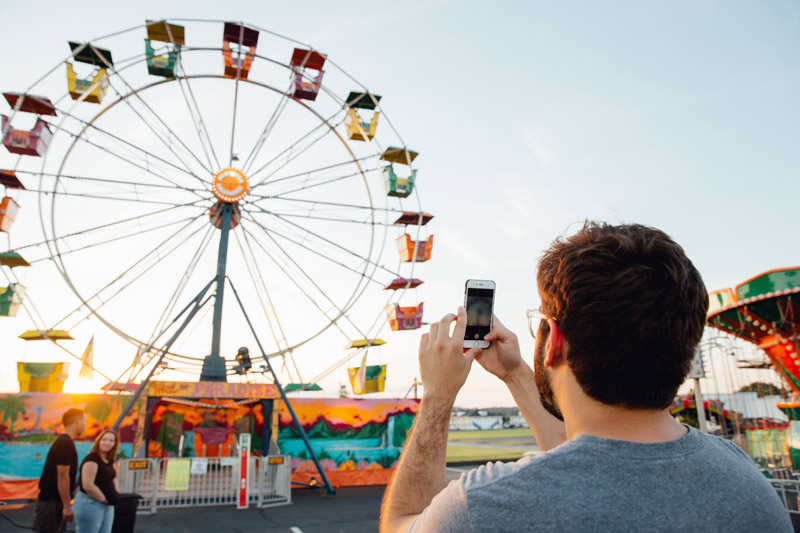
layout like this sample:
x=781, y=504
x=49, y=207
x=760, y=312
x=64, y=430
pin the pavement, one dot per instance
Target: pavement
x=352, y=510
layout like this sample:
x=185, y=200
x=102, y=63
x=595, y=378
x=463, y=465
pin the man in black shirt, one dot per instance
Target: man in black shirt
x=54, y=507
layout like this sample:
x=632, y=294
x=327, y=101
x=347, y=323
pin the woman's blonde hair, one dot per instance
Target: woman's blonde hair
x=112, y=454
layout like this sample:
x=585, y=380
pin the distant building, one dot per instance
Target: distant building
x=467, y=419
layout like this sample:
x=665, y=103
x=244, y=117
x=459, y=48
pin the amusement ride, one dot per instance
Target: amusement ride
x=220, y=196
x=765, y=311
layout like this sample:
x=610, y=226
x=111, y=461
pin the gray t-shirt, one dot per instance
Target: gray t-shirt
x=695, y=483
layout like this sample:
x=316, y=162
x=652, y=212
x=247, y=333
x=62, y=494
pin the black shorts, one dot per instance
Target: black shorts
x=48, y=517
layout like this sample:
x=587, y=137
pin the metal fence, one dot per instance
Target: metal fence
x=212, y=481
x=789, y=492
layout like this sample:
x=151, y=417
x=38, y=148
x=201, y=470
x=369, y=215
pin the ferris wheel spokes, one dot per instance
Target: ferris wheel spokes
x=136, y=233
x=254, y=270
x=262, y=139
x=102, y=301
x=181, y=285
x=145, y=165
x=293, y=155
x=326, y=167
x=289, y=149
x=341, y=310
x=154, y=115
x=314, y=250
x=326, y=203
x=103, y=226
x=347, y=251
x=358, y=174
x=197, y=120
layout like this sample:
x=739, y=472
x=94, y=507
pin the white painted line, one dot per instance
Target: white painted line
x=455, y=469
x=294, y=529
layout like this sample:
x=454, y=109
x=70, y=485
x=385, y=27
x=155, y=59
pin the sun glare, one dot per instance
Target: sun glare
x=81, y=386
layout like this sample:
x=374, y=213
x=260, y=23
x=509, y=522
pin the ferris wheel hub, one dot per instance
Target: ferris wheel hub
x=230, y=185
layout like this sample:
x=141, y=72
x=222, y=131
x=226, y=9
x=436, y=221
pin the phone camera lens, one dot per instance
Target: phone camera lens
x=477, y=336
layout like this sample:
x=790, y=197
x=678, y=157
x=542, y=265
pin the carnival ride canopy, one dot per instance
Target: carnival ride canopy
x=764, y=310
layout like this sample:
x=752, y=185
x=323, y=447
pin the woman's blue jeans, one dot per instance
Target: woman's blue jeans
x=91, y=516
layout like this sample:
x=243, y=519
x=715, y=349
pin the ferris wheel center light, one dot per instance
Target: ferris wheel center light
x=230, y=185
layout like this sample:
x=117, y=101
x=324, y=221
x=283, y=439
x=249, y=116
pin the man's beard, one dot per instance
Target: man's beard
x=543, y=379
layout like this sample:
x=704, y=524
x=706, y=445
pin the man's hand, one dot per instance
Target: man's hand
x=503, y=356
x=443, y=364
x=67, y=514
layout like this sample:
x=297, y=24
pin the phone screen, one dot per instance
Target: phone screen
x=479, y=303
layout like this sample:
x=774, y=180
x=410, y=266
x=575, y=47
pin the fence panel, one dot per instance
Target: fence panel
x=272, y=480
x=139, y=476
x=789, y=492
x=214, y=482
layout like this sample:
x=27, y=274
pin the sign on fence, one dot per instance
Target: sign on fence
x=138, y=465
x=244, y=462
x=199, y=465
x=177, y=475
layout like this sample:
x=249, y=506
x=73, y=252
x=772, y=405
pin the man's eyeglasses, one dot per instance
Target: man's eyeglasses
x=536, y=313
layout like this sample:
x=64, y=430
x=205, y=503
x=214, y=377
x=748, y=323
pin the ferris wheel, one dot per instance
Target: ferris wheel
x=218, y=170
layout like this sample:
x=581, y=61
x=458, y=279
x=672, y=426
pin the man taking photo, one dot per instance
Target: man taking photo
x=623, y=310
x=54, y=506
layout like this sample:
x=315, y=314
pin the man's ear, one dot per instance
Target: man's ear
x=555, y=352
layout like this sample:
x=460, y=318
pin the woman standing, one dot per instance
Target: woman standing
x=94, y=503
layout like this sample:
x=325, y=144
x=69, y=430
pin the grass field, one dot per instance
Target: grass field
x=477, y=446
x=489, y=434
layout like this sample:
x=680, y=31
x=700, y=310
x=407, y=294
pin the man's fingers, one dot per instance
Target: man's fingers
x=434, y=331
x=499, y=326
x=471, y=354
x=423, y=342
x=461, y=325
x=444, y=327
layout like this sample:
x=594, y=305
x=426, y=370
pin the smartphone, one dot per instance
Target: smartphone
x=479, y=302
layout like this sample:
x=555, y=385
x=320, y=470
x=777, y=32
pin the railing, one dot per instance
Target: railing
x=214, y=483
x=789, y=493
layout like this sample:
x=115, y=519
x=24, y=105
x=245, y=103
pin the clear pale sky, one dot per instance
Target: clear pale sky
x=529, y=117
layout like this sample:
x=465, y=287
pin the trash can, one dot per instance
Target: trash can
x=125, y=513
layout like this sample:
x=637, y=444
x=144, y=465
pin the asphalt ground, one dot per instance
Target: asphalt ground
x=352, y=510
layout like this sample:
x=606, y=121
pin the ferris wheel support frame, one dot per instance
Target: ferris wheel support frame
x=213, y=364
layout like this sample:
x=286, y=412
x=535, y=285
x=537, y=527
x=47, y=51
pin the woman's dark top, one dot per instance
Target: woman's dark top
x=104, y=478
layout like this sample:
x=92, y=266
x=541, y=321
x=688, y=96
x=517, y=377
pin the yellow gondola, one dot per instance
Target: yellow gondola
x=363, y=343
x=95, y=85
x=42, y=335
x=357, y=129
x=42, y=377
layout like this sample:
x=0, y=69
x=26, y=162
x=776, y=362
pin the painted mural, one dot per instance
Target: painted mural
x=357, y=441
x=30, y=422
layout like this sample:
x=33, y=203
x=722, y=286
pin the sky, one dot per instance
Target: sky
x=529, y=117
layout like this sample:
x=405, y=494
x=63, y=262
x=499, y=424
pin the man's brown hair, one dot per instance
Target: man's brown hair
x=70, y=415
x=632, y=308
